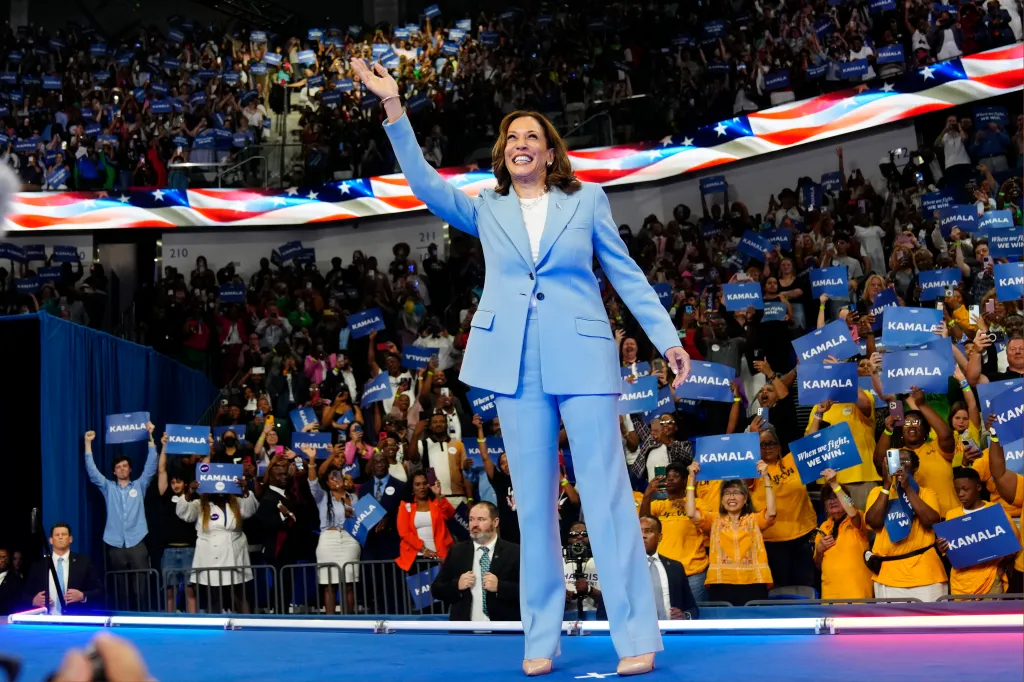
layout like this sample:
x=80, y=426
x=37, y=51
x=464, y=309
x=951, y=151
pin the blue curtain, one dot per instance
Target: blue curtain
x=84, y=376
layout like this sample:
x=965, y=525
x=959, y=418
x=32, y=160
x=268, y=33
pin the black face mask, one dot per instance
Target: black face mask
x=230, y=441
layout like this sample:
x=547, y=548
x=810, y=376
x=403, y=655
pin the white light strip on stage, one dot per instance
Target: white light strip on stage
x=805, y=624
x=47, y=619
x=1001, y=620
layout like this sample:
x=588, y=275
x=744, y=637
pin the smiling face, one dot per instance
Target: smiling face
x=733, y=497
x=526, y=150
x=629, y=350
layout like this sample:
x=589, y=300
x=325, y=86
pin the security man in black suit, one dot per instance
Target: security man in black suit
x=479, y=579
x=12, y=588
x=82, y=588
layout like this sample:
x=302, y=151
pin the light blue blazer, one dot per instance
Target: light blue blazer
x=578, y=352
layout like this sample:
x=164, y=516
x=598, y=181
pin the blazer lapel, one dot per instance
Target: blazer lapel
x=510, y=219
x=561, y=208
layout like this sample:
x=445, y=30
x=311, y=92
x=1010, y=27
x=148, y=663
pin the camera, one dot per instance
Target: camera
x=579, y=550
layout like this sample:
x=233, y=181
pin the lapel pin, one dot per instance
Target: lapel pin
x=558, y=206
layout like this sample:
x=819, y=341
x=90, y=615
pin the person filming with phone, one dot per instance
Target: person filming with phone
x=439, y=452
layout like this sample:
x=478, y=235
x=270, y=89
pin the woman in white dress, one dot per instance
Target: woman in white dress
x=336, y=545
x=220, y=543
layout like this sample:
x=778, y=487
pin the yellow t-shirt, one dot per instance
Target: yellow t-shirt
x=958, y=455
x=981, y=465
x=980, y=578
x=709, y=495
x=936, y=472
x=917, y=571
x=1018, y=501
x=638, y=499
x=795, y=516
x=680, y=539
x=738, y=555
x=844, y=575
x=863, y=429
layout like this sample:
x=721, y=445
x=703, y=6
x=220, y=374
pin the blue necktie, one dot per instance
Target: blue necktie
x=485, y=568
x=60, y=579
x=378, y=491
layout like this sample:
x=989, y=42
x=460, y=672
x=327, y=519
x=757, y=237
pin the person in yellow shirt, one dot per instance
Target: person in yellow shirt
x=984, y=468
x=936, y=456
x=1011, y=487
x=965, y=422
x=839, y=552
x=858, y=481
x=790, y=540
x=910, y=567
x=737, y=562
x=988, y=577
x=680, y=539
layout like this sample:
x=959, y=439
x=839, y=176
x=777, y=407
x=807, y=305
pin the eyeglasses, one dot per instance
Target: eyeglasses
x=733, y=493
x=665, y=422
x=912, y=422
x=770, y=444
x=578, y=534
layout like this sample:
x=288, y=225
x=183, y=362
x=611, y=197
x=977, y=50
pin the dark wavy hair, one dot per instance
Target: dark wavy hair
x=560, y=173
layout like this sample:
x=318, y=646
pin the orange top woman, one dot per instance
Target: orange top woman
x=421, y=523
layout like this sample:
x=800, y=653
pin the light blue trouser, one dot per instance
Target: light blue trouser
x=529, y=425
x=697, y=588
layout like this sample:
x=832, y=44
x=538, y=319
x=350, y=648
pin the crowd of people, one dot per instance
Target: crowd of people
x=371, y=354
x=83, y=113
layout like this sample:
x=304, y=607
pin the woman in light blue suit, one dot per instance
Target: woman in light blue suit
x=541, y=341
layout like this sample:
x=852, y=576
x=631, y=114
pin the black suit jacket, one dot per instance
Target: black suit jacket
x=382, y=542
x=268, y=524
x=12, y=594
x=501, y=605
x=81, y=576
x=679, y=594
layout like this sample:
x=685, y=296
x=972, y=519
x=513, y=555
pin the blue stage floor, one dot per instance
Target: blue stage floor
x=297, y=656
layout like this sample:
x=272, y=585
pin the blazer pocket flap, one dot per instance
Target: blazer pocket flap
x=482, y=319
x=598, y=328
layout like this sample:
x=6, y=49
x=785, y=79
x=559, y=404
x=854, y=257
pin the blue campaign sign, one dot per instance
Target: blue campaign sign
x=237, y=429
x=34, y=252
x=929, y=370
x=994, y=220
x=639, y=396
x=301, y=416
x=419, y=583
x=365, y=321
x=978, y=536
x=258, y=69
x=188, y=440
x=835, y=382
x=987, y=392
x=432, y=12
x=1008, y=407
x=58, y=177
x=231, y=293
x=345, y=84
x=712, y=184
x=664, y=292
x=50, y=274
x=812, y=195
x=27, y=285
x=878, y=6
x=314, y=34
x=495, y=449
x=665, y=403
x=467, y=24
x=368, y=513
x=1009, y=281
x=724, y=458
x=832, y=448
x=219, y=479
x=935, y=201
x=415, y=357
x=1006, y=243
x=714, y=29
x=910, y=326
x=833, y=182
x=885, y=299
x=12, y=252
x=774, y=312
x=306, y=57
x=1013, y=453
x=743, y=295
x=890, y=54
x=321, y=442
x=160, y=106
x=963, y=216
x=377, y=389
x=708, y=381
x=272, y=58
x=833, y=339
x=51, y=83
x=866, y=384
x=854, y=69
x=330, y=97
x=753, y=245
x=898, y=521
x=934, y=282
x=458, y=525
x=481, y=402
x=776, y=80
x=127, y=427
x=638, y=368
x=781, y=237
x=985, y=115
x=417, y=102
x=833, y=281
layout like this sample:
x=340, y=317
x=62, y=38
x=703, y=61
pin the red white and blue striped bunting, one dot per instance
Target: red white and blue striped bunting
x=920, y=91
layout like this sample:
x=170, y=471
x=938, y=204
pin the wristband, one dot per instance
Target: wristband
x=964, y=384
x=565, y=482
x=817, y=416
x=736, y=399
x=481, y=440
x=836, y=489
x=887, y=432
x=690, y=487
x=993, y=439
x=885, y=491
x=821, y=308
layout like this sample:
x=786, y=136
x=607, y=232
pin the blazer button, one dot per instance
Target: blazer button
x=531, y=275
x=540, y=296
